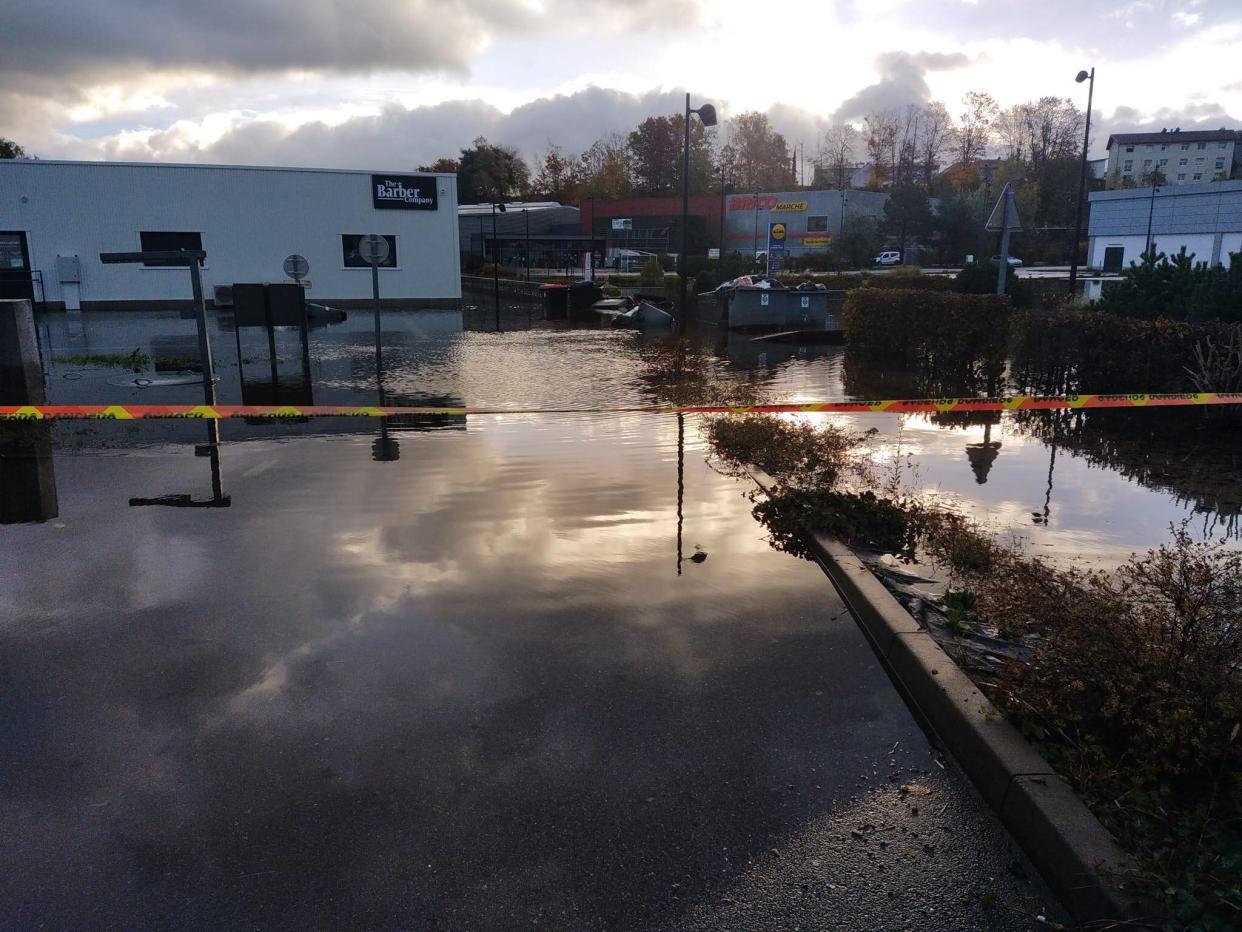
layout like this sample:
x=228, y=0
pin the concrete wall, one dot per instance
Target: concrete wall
x=249, y=219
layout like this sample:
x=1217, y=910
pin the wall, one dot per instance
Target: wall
x=745, y=215
x=1190, y=216
x=249, y=218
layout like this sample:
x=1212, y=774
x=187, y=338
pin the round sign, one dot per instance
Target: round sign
x=778, y=231
x=373, y=249
x=296, y=267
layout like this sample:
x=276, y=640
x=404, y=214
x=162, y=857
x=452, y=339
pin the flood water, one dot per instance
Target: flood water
x=488, y=672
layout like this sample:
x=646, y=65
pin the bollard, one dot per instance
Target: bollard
x=21, y=371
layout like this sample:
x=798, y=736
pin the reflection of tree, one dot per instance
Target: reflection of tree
x=1191, y=455
x=871, y=375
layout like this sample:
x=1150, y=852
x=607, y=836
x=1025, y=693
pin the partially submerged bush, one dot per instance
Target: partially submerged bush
x=797, y=454
x=861, y=519
x=942, y=324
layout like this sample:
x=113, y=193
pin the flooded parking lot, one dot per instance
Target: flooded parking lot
x=496, y=671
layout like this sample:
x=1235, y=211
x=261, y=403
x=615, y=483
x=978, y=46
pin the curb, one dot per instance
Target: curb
x=1075, y=853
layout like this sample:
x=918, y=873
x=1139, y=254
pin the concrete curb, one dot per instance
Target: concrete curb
x=1076, y=855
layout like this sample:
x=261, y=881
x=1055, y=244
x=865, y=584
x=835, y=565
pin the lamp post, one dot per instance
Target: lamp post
x=1082, y=180
x=722, y=213
x=526, y=217
x=1151, y=210
x=707, y=113
x=496, y=261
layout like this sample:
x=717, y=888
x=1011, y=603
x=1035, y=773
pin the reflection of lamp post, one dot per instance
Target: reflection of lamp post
x=983, y=455
x=1082, y=180
x=496, y=261
x=707, y=113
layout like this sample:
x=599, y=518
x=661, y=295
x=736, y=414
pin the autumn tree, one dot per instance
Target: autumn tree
x=974, y=127
x=556, y=178
x=756, y=157
x=604, y=168
x=490, y=172
x=12, y=150
x=442, y=165
x=655, y=154
x=881, y=128
x=936, y=127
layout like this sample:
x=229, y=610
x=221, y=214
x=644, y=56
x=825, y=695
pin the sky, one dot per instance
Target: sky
x=365, y=84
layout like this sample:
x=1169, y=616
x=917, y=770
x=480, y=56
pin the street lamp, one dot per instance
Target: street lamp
x=707, y=113
x=496, y=261
x=1082, y=180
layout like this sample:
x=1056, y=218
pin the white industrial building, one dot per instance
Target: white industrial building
x=57, y=217
x=1204, y=219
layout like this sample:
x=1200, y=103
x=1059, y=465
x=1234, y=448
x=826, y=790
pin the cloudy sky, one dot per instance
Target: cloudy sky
x=369, y=83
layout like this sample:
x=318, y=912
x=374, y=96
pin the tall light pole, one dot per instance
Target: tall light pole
x=722, y=213
x=1082, y=181
x=707, y=113
x=1151, y=210
x=526, y=217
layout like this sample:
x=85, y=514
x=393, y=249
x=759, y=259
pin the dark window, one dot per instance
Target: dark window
x=349, y=251
x=817, y=224
x=1198, y=176
x=1129, y=148
x=1113, y=257
x=165, y=241
x=1220, y=164
x=1203, y=145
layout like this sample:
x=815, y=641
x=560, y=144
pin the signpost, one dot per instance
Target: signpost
x=776, y=247
x=373, y=249
x=296, y=267
x=1004, y=219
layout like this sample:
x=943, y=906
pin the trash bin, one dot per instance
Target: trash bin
x=583, y=294
x=555, y=301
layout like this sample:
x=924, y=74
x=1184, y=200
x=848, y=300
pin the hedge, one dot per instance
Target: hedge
x=934, y=322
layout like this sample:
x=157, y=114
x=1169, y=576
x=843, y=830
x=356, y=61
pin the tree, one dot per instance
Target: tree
x=756, y=157
x=858, y=242
x=974, y=129
x=488, y=172
x=604, y=169
x=881, y=128
x=936, y=127
x=557, y=179
x=959, y=228
x=836, y=153
x=655, y=151
x=442, y=165
x=907, y=215
x=11, y=150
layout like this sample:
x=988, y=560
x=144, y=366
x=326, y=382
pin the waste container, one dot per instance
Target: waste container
x=555, y=301
x=583, y=294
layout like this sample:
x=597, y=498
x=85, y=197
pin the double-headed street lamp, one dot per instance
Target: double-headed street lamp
x=1082, y=180
x=707, y=113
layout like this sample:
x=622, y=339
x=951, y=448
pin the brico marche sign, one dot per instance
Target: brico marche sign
x=404, y=192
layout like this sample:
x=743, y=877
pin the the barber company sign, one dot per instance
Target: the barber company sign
x=404, y=192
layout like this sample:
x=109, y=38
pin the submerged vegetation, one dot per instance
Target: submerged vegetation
x=1130, y=682
x=137, y=361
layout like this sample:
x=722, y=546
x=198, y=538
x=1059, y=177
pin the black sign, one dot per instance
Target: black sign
x=404, y=192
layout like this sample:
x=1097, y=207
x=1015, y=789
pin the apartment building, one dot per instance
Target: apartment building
x=1173, y=157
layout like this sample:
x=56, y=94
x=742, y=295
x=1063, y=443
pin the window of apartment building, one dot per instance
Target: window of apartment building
x=817, y=224
x=1199, y=160
x=1181, y=177
x=1147, y=163
x=1129, y=148
x=1198, y=176
x=1185, y=146
x=1164, y=162
x=1128, y=166
x=352, y=260
x=1220, y=164
x=1203, y=145
x=164, y=241
x=1181, y=161
x=1221, y=145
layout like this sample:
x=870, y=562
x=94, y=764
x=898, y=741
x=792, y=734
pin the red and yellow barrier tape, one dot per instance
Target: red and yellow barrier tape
x=894, y=406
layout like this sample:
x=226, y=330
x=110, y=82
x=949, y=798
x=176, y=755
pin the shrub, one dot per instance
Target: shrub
x=980, y=278
x=652, y=274
x=796, y=454
x=941, y=324
x=1177, y=288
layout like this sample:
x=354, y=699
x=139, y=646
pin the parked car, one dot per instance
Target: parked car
x=889, y=257
x=1014, y=261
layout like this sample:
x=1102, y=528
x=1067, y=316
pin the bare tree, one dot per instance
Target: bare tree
x=974, y=130
x=936, y=128
x=1013, y=130
x=906, y=146
x=836, y=151
x=882, y=127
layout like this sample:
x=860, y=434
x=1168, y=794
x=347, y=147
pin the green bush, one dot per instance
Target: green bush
x=1177, y=288
x=652, y=274
x=980, y=278
x=935, y=322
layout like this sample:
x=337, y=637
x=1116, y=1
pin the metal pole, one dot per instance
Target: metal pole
x=754, y=243
x=526, y=217
x=1082, y=184
x=495, y=268
x=375, y=296
x=204, y=340
x=1151, y=210
x=722, y=215
x=1006, y=196
x=685, y=216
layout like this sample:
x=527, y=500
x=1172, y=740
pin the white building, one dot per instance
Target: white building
x=57, y=217
x=1204, y=219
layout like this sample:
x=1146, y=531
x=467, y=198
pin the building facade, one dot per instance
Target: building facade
x=57, y=217
x=1204, y=219
x=1172, y=157
x=546, y=234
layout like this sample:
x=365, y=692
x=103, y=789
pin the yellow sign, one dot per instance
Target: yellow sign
x=789, y=205
x=778, y=232
x=815, y=240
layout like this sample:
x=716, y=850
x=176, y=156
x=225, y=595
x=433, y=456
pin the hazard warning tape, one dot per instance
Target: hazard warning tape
x=894, y=406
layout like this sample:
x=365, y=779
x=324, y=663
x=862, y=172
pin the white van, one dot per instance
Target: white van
x=891, y=257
